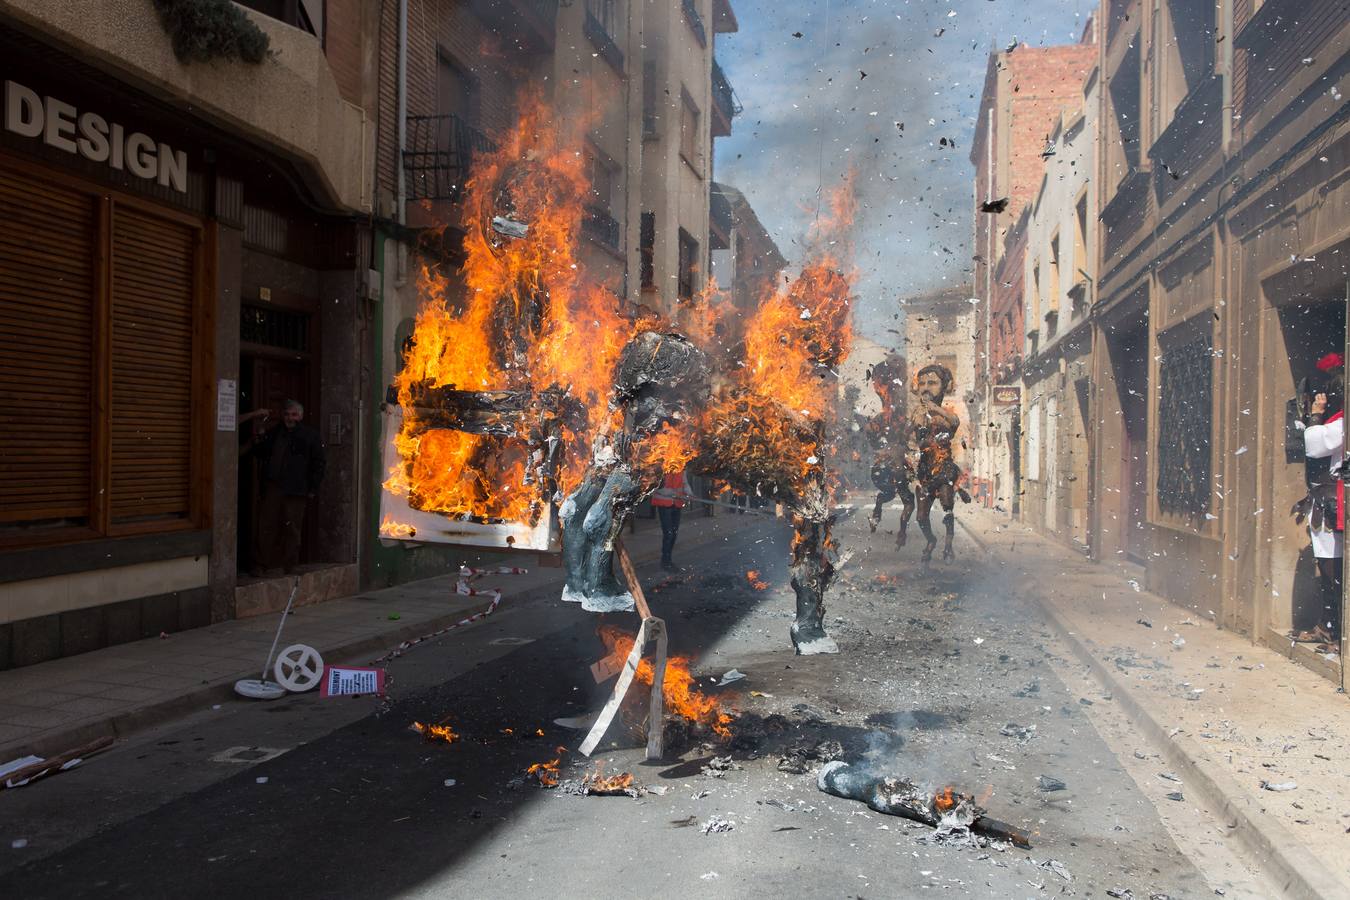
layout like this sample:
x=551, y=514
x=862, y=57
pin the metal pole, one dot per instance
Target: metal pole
x=280, y=625
x=1345, y=473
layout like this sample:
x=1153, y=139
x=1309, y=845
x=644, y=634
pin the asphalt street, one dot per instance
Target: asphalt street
x=943, y=678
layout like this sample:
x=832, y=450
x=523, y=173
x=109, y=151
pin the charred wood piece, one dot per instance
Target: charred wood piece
x=502, y=413
x=902, y=797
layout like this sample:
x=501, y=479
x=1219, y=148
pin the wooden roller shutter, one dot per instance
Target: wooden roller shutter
x=153, y=278
x=48, y=268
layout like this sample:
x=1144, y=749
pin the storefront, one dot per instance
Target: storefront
x=142, y=255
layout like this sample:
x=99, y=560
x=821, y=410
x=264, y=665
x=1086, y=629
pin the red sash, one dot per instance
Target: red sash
x=1340, y=484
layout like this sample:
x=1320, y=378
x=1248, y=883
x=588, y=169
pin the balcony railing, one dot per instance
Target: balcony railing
x=695, y=22
x=599, y=225
x=601, y=28
x=530, y=25
x=724, y=99
x=439, y=153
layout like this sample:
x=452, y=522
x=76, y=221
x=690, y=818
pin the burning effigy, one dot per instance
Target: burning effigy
x=502, y=434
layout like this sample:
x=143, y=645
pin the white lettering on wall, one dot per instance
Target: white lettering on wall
x=88, y=134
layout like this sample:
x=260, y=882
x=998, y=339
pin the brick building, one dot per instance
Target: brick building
x=1025, y=91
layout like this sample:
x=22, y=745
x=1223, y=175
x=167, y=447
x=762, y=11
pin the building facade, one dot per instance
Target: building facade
x=182, y=241
x=1223, y=279
x=1025, y=91
x=1058, y=277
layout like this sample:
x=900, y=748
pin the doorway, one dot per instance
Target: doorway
x=268, y=381
x=1127, y=344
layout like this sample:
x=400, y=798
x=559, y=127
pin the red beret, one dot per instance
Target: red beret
x=1330, y=361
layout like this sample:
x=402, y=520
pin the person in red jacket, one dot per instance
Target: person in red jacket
x=669, y=501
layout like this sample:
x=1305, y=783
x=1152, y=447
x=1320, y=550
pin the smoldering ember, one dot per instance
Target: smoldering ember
x=481, y=457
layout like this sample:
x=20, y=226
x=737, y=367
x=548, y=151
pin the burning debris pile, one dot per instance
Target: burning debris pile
x=503, y=434
x=692, y=713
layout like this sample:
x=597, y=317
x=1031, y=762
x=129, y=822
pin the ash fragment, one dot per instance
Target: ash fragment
x=719, y=766
x=717, y=825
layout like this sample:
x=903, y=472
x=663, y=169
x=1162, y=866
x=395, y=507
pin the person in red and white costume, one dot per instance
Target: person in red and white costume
x=1324, y=438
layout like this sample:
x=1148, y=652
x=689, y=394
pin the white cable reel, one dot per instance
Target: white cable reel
x=299, y=668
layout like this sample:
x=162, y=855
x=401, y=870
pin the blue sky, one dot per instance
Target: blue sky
x=809, y=114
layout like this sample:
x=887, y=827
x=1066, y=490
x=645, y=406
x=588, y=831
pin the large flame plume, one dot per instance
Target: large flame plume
x=526, y=315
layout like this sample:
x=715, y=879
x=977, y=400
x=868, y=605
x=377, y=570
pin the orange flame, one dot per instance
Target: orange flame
x=598, y=783
x=436, y=732
x=526, y=310
x=752, y=576
x=793, y=344
x=681, y=697
x=390, y=528
x=546, y=773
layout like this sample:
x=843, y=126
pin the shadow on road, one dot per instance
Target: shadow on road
x=365, y=811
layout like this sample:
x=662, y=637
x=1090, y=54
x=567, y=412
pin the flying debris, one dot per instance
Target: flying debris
x=994, y=206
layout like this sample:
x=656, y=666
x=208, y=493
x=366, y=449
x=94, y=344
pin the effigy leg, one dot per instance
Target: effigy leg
x=812, y=572
x=947, y=495
x=925, y=525
x=907, y=510
x=591, y=518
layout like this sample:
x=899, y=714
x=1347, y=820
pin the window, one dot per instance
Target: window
x=1122, y=151
x=604, y=24
x=691, y=139
x=647, y=250
x=600, y=222
x=695, y=22
x=689, y=266
x=456, y=89
x=1052, y=289
x=1080, y=260
x=1034, y=442
x=650, y=116
x=604, y=174
x=1185, y=410
x=1185, y=38
x=101, y=366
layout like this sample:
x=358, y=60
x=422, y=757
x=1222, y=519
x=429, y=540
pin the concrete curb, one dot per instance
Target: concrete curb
x=124, y=724
x=1291, y=865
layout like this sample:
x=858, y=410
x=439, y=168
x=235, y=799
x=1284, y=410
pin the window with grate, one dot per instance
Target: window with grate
x=647, y=249
x=281, y=328
x=688, y=265
x=1185, y=412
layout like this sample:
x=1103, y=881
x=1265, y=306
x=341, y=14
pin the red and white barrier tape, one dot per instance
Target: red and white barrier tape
x=466, y=575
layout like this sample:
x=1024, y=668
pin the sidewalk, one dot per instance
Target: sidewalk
x=1228, y=714
x=64, y=703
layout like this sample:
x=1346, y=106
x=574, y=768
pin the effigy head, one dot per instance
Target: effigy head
x=934, y=382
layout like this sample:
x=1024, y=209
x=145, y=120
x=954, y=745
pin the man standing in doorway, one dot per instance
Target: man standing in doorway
x=291, y=465
x=669, y=501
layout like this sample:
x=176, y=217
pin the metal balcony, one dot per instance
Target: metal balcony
x=724, y=102
x=439, y=153
x=600, y=225
x=695, y=22
x=529, y=25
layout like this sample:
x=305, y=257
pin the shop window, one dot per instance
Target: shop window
x=688, y=266
x=1185, y=412
x=100, y=365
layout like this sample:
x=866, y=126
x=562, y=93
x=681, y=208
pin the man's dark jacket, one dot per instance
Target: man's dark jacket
x=301, y=466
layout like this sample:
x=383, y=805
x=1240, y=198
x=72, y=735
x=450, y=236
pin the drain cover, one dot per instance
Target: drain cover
x=247, y=754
